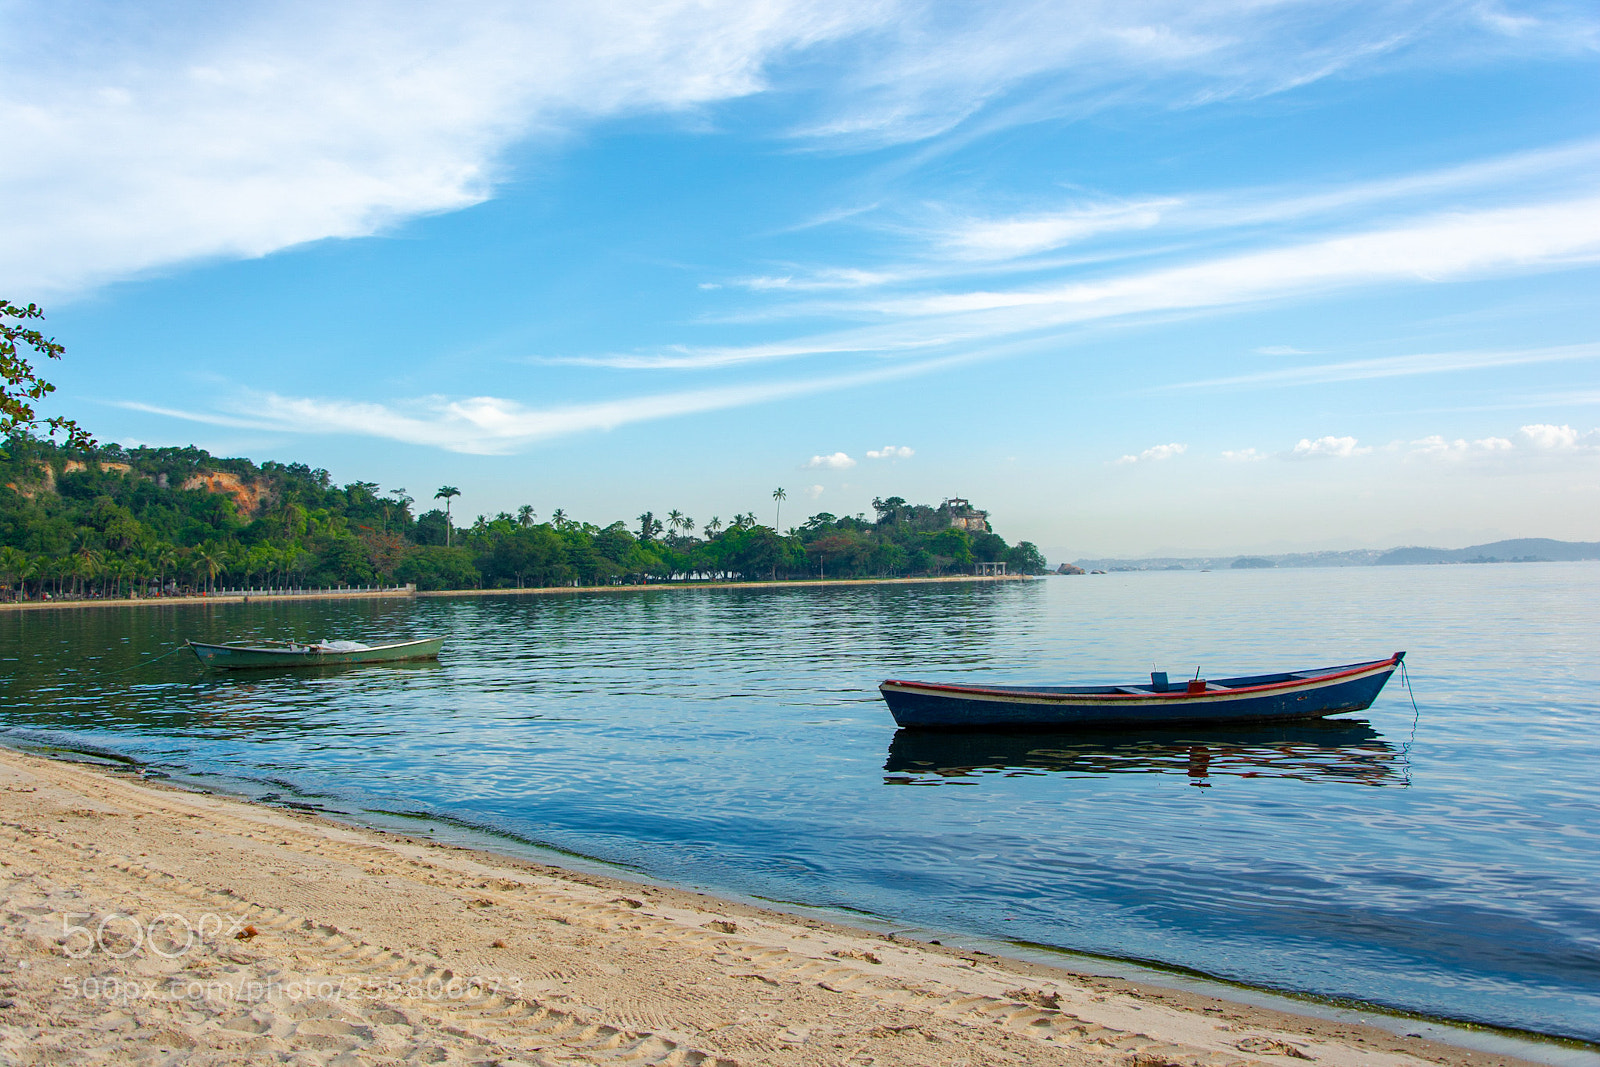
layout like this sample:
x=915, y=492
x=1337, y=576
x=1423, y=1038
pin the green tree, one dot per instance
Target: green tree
x=20, y=384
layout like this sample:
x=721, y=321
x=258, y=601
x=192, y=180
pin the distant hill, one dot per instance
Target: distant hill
x=1362, y=557
x=1517, y=550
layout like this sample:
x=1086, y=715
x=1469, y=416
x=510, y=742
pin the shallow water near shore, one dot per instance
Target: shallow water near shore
x=1444, y=860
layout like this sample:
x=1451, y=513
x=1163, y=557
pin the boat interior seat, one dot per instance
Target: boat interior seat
x=1136, y=690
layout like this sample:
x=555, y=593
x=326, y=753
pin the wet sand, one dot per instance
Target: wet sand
x=143, y=924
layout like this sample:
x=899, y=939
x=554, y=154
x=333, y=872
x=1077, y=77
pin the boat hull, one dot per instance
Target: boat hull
x=1260, y=699
x=239, y=657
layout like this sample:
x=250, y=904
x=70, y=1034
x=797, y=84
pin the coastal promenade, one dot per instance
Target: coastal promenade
x=406, y=591
x=240, y=597
x=808, y=583
x=146, y=924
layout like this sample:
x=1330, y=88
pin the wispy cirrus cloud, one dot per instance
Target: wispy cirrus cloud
x=1026, y=235
x=1423, y=250
x=947, y=243
x=936, y=67
x=487, y=425
x=1398, y=366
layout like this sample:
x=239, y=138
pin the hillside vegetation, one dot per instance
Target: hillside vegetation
x=113, y=521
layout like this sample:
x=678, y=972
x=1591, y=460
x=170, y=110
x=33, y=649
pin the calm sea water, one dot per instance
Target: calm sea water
x=1445, y=860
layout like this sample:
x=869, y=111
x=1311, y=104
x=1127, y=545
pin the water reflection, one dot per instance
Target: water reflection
x=1341, y=750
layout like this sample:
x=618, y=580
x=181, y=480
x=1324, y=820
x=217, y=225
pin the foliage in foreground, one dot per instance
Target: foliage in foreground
x=114, y=520
x=20, y=384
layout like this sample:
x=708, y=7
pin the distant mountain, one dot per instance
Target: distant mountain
x=1518, y=550
x=1361, y=557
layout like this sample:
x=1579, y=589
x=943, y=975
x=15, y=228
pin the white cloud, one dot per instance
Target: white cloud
x=958, y=243
x=1155, y=454
x=1436, y=446
x=1281, y=350
x=139, y=136
x=1448, y=246
x=1244, y=455
x=1009, y=238
x=892, y=452
x=1401, y=366
x=827, y=278
x=489, y=425
x=1455, y=245
x=814, y=491
x=1558, y=438
x=836, y=462
x=161, y=134
x=935, y=66
x=1336, y=447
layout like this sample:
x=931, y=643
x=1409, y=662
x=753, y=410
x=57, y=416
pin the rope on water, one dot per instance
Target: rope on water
x=147, y=662
x=1416, y=717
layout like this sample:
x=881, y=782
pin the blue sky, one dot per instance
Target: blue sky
x=1137, y=277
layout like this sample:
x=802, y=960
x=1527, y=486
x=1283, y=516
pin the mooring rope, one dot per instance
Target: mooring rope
x=147, y=662
x=1416, y=717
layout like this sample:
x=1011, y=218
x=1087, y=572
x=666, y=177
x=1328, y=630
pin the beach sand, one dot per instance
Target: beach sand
x=214, y=931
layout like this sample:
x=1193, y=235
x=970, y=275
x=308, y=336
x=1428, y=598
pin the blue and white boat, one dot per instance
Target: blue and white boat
x=1284, y=697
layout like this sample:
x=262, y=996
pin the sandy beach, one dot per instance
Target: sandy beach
x=144, y=924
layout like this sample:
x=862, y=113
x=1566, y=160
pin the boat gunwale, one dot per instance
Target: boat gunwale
x=1336, y=674
x=311, y=650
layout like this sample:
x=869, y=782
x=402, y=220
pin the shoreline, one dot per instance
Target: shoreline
x=788, y=583
x=357, y=915
x=540, y=590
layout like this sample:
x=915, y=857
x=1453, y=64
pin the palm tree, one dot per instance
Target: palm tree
x=13, y=565
x=780, y=496
x=397, y=499
x=674, y=519
x=89, y=562
x=559, y=517
x=207, y=561
x=526, y=515
x=447, y=491
x=165, y=556
x=712, y=527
